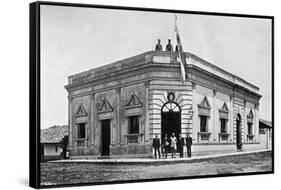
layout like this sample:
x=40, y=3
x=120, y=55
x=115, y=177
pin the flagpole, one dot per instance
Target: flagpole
x=180, y=52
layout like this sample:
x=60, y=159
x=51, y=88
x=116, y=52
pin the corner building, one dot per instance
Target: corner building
x=117, y=109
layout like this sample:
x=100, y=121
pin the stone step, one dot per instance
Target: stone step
x=103, y=157
x=240, y=150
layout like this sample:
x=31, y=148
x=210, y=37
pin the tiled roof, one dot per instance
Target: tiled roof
x=53, y=134
x=265, y=122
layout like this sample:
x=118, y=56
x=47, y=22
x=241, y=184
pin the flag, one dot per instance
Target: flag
x=180, y=52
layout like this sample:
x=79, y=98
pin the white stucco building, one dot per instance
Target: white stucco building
x=116, y=110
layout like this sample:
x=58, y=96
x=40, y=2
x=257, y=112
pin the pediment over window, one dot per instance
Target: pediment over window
x=250, y=117
x=105, y=106
x=134, y=101
x=223, y=112
x=133, y=106
x=224, y=108
x=205, y=103
x=204, y=107
x=81, y=111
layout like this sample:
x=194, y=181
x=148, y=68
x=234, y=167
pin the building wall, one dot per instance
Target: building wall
x=265, y=136
x=238, y=108
x=51, y=150
x=158, y=97
x=220, y=99
x=214, y=148
x=75, y=143
x=264, y=141
x=117, y=97
x=199, y=92
x=251, y=107
x=235, y=105
x=269, y=139
x=151, y=92
x=153, y=96
x=150, y=77
x=216, y=100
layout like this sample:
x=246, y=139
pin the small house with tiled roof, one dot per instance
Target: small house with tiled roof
x=54, y=142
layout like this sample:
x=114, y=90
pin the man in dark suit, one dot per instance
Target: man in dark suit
x=188, y=145
x=180, y=145
x=156, y=146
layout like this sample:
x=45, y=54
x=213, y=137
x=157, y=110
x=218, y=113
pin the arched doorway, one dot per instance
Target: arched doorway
x=170, y=119
x=238, y=132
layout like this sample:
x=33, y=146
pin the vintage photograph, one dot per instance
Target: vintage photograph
x=142, y=94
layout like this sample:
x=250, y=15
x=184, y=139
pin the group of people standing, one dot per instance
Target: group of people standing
x=172, y=144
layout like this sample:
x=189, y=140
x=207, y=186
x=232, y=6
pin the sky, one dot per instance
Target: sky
x=77, y=39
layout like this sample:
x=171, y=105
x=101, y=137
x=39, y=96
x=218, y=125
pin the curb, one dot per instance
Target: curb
x=157, y=162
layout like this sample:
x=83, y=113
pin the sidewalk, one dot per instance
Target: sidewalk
x=157, y=161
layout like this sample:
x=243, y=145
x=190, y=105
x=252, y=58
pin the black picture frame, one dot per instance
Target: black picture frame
x=34, y=91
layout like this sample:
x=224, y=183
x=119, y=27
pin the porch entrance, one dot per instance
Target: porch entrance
x=170, y=120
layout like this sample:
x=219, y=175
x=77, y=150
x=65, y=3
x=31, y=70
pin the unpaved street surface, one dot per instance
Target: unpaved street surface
x=71, y=173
